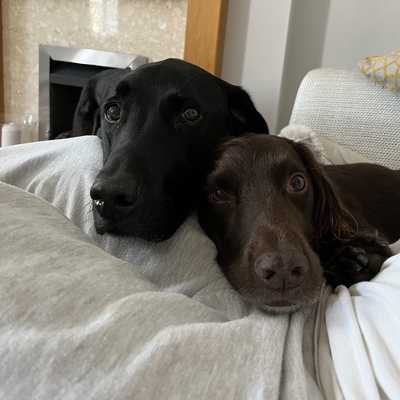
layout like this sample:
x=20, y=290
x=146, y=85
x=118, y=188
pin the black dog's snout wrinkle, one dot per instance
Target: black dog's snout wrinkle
x=278, y=273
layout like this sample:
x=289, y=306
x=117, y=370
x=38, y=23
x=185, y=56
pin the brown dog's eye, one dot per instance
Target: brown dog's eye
x=297, y=183
x=112, y=113
x=218, y=196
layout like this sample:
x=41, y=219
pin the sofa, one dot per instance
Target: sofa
x=101, y=317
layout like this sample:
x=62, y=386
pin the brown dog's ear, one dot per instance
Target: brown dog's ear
x=244, y=115
x=331, y=219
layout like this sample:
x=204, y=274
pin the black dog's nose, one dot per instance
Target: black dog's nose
x=113, y=195
x=280, y=274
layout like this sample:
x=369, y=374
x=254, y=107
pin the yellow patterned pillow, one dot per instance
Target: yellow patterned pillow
x=384, y=70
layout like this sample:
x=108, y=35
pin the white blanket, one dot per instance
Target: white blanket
x=363, y=325
x=168, y=326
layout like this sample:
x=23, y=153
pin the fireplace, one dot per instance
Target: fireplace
x=63, y=72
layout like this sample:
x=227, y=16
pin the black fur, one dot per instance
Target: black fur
x=155, y=158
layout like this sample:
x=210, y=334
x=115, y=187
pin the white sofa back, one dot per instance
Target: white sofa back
x=354, y=111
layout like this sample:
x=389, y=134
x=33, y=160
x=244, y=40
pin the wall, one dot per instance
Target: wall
x=254, y=52
x=356, y=28
x=154, y=28
x=304, y=50
x=271, y=45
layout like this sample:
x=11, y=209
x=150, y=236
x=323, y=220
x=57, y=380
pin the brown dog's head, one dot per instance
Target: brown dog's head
x=267, y=207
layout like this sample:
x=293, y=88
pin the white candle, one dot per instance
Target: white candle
x=10, y=135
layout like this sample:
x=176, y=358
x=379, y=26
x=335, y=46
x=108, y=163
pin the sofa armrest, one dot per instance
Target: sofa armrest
x=354, y=111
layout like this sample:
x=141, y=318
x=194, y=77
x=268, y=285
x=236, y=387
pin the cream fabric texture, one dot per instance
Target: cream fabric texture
x=342, y=105
x=325, y=149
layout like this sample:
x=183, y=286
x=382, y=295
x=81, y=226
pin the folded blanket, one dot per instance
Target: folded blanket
x=78, y=323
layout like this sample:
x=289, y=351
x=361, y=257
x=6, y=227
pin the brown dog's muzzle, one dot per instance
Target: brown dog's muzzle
x=284, y=269
x=281, y=270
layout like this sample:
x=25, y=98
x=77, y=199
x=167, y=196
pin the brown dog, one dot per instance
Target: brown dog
x=275, y=214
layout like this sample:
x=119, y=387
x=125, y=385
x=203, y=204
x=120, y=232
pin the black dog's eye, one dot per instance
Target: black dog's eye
x=112, y=113
x=218, y=196
x=297, y=183
x=190, y=115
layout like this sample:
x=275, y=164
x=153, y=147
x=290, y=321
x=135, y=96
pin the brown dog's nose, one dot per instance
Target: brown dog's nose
x=279, y=272
x=112, y=196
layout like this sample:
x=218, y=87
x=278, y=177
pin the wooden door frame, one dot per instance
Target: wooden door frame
x=205, y=31
x=204, y=38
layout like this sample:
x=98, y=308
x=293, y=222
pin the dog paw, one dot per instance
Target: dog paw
x=357, y=260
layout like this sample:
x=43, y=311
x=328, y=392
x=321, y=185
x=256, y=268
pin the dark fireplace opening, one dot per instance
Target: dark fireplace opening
x=63, y=101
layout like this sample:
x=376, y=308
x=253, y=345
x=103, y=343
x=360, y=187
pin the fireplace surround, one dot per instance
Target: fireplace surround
x=63, y=72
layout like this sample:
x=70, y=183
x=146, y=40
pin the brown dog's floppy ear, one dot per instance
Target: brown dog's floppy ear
x=244, y=115
x=331, y=219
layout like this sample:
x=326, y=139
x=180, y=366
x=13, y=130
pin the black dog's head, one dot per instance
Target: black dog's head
x=160, y=127
x=267, y=207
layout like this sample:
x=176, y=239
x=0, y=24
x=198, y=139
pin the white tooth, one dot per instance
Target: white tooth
x=99, y=203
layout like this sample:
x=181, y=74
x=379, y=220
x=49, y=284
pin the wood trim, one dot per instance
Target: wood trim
x=205, y=30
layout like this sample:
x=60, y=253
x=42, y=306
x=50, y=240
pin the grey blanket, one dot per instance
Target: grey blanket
x=78, y=323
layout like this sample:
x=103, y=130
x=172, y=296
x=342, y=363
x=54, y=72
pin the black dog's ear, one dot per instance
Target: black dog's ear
x=86, y=112
x=244, y=115
x=330, y=218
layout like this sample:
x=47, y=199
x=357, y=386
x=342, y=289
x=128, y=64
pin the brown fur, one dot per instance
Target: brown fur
x=270, y=242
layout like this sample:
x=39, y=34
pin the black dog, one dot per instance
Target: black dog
x=274, y=213
x=159, y=125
